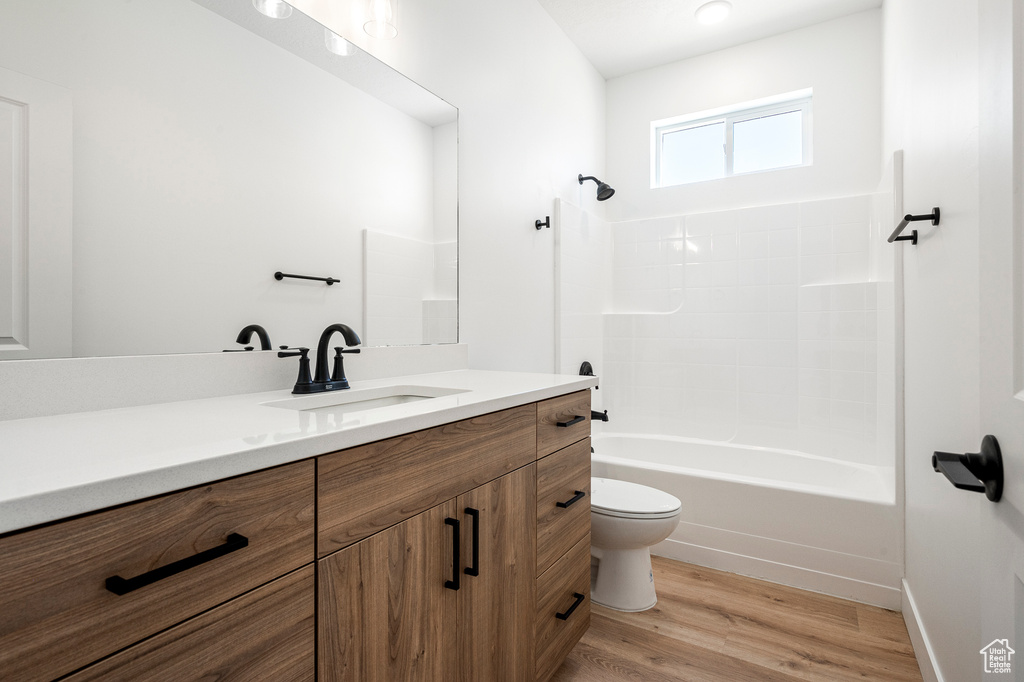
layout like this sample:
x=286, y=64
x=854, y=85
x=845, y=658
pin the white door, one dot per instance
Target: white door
x=35, y=218
x=1001, y=304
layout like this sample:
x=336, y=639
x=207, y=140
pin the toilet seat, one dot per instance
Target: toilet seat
x=622, y=499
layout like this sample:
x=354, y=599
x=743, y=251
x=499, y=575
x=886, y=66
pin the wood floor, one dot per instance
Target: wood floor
x=710, y=625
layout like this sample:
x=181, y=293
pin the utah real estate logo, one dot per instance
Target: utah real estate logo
x=997, y=656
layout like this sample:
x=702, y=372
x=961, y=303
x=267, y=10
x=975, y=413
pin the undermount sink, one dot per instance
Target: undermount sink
x=360, y=400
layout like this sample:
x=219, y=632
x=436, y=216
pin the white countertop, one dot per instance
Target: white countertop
x=59, y=466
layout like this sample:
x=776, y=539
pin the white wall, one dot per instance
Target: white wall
x=931, y=102
x=531, y=118
x=186, y=201
x=839, y=59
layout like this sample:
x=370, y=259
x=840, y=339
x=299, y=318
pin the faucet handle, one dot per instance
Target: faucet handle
x=305, y=379
x=338, y=371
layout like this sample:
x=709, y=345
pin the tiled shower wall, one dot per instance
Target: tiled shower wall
x=769, y=326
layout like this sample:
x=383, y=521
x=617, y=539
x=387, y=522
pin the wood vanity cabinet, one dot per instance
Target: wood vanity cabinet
x=57, y=613
x=446, y=595
x=459, y=552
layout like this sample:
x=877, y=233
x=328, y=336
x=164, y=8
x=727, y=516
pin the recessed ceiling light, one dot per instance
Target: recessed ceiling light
x=713, y=12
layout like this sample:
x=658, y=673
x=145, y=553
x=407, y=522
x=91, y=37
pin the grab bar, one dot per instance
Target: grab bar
x=907, y=219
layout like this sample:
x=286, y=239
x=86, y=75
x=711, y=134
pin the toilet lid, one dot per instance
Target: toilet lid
x=622, y=498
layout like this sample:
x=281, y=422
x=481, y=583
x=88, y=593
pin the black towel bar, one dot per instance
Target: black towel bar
x=907, y=219
x=281, y=275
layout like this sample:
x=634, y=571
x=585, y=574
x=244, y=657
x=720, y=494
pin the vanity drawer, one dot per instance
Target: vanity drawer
x=267, y=634
x=366, y=489
x=565, y=584
x=560, y=478
x=566, y=410
x=56, y=612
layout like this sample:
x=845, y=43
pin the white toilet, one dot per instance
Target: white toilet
x=626, y=519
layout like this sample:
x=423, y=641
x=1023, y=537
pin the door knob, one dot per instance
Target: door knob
x=980, y=472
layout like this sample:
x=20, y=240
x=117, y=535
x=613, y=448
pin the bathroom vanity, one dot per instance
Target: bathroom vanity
x=447, y=539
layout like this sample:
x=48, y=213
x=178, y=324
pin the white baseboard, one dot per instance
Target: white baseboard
x=786, y=574
x=919, y=638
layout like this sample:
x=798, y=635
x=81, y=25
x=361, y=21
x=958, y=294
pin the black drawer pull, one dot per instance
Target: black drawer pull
x=453, y=584
x=575, y=498
x=574, y=420
x=579, y=600
x=474, y=570
x=119, y=585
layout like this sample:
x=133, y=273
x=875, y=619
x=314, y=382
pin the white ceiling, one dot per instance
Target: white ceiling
x=623, y=36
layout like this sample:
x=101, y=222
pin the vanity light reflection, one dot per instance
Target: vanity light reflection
x=336, y=43
x=382, y=22
x=275, y=9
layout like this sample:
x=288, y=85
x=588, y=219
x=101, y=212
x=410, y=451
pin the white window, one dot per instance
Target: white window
x=747, y=138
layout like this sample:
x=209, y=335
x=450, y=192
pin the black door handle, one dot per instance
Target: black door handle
x=579, y=600
x=453, y=584
x=120, y=586
x=580, y=494
x=474, y=570
x=574, y=420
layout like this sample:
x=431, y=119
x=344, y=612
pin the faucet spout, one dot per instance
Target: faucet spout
x=322, y=375
x=245, y=336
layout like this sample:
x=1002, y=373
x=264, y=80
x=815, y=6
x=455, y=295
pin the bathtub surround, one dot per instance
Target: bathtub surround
x=750, y=336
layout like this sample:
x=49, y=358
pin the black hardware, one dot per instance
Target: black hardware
x=322, y=381
x=587, y=370
x=546, y=223
x=338, y=373
x=907, y=219
x=281, y=275
x=604, y=191
x=600, y=416
x=453, y=584
x=979, y=472
x=580, y=494
x=245, y=336
x=238, y=350
x=304, y=381
x=574, y=420
x=121, y=586
x=579, y=600
x=474, y=570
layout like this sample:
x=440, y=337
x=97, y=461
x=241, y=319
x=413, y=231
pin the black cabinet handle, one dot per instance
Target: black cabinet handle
x=579, y=600
x=120, y=586
x=474, y=570
x=453, y=584
x=580, y=494
x=574, y=420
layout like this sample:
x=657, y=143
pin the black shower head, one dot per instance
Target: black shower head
x=604, y=191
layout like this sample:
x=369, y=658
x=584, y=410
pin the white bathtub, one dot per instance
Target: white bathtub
x=802, y=520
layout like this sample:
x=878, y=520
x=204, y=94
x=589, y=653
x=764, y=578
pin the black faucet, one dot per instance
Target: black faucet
x=322, y=381
x=245, y=336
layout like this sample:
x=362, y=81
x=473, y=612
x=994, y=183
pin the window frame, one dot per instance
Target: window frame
x=730, y=116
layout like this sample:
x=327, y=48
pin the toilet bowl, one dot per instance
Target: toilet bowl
x=626, y=519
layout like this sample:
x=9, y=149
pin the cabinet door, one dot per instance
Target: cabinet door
x=496, y=605
x=384, y=611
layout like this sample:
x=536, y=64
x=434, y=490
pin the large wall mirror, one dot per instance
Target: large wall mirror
x=161, y=160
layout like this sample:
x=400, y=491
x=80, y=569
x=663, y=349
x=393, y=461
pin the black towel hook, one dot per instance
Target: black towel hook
x=546, y=222
x=907, y=219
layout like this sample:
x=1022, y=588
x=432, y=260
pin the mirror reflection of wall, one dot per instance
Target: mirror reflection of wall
x=205, y=158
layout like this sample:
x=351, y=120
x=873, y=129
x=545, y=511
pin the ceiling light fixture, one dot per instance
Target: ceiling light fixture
x=275, y=9
x=713, y=12
x=382, y=20
x=336, y=43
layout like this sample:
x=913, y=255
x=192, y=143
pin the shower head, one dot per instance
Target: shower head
x=604, y=191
